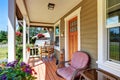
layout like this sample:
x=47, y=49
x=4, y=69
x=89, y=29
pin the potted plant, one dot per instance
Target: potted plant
x=40, y=35
x=17, y=71
x=28, y=47
x=18, y=37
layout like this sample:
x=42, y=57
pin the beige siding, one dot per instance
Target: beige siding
x=88, y=26
x=62, y=29
x=89, y=29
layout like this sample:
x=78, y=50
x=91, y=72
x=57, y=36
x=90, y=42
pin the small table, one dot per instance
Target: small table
x=97, y=74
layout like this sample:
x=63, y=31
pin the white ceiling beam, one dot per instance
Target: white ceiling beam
x=41, y=24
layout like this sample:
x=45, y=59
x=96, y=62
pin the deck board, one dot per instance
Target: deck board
x=46, y=69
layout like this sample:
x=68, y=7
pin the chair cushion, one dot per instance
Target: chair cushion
x=66, y=72
x=79, y=60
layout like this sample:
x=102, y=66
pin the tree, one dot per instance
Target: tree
x=3, y=36
x=20, y=28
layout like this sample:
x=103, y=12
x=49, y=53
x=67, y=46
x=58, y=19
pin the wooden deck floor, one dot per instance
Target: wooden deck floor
x=46, y=69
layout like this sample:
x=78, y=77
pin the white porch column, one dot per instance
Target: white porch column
x=24, y=41
x=11, y=30
x=28, y=32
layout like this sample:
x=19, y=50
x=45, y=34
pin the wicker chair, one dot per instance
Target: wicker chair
x=79, y=62
x=43, y=51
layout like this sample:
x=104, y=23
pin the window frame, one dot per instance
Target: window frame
x=108, y=46
x=57, y=24
x=103, y=62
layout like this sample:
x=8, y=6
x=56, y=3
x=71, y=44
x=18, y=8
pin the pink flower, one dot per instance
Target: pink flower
x=40, y=35
x=18, y=33
x=34, y=72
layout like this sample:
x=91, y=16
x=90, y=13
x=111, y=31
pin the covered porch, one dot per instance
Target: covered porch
x=76, y=24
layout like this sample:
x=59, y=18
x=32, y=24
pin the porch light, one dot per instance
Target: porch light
x=51, y=6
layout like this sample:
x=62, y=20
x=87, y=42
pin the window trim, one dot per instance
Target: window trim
x=56, y=24
x=108, y=45
x=112, y=25
x=103, y=63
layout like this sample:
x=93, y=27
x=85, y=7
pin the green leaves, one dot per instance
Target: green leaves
x=3, y=36
x=16, y=71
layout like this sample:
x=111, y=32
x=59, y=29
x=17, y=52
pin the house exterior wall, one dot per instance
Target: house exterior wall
x=88, y=28
x=62, y=29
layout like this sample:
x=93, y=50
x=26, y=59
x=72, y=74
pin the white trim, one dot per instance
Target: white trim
x=113, y=25
x=28, y=32
x=111, y=67
x=57, y=23
x=41, y=24
x=72, y=15
x=24, y=41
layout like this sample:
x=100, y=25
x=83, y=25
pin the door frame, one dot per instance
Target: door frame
x=70, y=16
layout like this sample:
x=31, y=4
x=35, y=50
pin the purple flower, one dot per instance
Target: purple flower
x=8, y=65
x=12, y=64
x=15, y=62
x=22, y=64
x=27, y=66
x=4, y=77
x=28, y=70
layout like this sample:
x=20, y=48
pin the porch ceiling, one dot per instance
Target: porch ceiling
x=37, y=10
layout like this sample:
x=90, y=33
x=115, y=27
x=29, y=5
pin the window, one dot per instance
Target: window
x=57, y=30
x=57, y=35
x=113, y=28
x=113, y=11
x=73, y=25
x=114, y=44
x=109, y=35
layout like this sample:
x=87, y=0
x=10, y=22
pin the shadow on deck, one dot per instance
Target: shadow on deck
x=45, y=68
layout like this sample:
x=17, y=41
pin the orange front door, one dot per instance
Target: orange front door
x=73, y=36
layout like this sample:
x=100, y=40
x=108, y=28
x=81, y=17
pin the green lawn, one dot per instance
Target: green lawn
x=114, y=51
x=3, y=53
